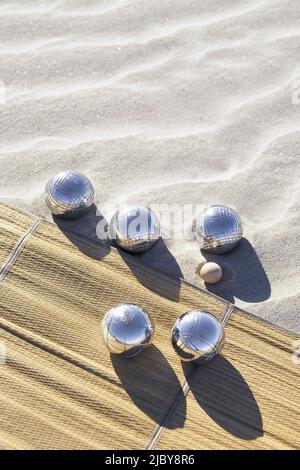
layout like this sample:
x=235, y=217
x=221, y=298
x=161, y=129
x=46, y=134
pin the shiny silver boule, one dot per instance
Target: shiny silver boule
x=218, y=229
x=127, y=330
x=197, y=336
x=134, y=228
x=69, y=194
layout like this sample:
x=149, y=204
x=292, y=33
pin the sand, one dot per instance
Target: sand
x=164, y=102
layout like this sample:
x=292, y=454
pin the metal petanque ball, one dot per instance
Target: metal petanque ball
x=69, y=194
x=218, y=229
x=135, y=228
x=127, y=330
x=197, y=336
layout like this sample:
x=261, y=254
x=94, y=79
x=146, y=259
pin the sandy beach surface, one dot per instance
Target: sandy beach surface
x=164, y=102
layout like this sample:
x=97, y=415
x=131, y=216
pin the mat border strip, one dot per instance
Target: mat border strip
x=227, y=313
x=17, y=250
x=160, y=428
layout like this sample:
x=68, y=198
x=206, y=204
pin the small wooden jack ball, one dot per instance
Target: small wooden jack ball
x=211, y=273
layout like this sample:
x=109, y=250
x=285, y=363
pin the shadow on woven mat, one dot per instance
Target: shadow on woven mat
x=221, y=391
x=140, y=377
x=243, y=275
x=86, y=233
x=160, y=282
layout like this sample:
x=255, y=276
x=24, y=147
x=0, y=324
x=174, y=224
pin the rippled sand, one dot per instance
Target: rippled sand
x=165, y=102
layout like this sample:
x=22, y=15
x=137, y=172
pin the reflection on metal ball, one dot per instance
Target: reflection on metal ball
x=135, y=228
x=69, y=194
x=218, y=229
x=197, y=336
x=127, y=330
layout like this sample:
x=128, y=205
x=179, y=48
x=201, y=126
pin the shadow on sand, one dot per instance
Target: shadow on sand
x=243, y=275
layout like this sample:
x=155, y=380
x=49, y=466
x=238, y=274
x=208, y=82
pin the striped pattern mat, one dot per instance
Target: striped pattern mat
x=61, y=389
